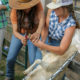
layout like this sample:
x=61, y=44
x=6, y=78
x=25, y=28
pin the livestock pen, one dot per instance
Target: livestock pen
x=22, y=57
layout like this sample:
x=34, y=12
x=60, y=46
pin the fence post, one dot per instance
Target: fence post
x=44, y=3
x=26, y=56
x=75, y=5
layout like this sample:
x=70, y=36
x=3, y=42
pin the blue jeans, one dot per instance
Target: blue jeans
x=15, y=46
x=64, y=77
x=34, y=52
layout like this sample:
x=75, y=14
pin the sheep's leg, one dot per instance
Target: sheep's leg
x=53, y=65
x=40, y=62
x=44, y=52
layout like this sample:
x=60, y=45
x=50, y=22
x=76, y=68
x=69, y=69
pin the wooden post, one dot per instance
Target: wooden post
x=75, y=66
x=44, y=3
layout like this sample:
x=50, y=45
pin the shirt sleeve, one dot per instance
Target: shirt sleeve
x=13, y=16
x=6, y=2
x=39, y=7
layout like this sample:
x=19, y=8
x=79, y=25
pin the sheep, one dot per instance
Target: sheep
x=51, y=62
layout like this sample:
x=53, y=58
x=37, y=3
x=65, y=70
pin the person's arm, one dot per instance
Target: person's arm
x=15, y=32
x=14, y=26
x=18, y=35
x=64, y=43
x=44, y=33
x=41, y=16
x=37, y=34
x=5, y=5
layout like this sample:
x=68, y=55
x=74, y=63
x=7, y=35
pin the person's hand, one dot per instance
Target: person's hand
x=35, y=37
x=38, y=44
x=0, y=7
x=40, y=48
x=24, y=40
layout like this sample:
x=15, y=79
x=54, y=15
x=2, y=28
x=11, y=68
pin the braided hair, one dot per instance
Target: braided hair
x=71, y=10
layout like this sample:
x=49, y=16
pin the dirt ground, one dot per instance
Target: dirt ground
x=70, y=74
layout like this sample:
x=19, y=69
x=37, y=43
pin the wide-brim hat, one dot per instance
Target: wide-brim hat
x=22, y=4
x=58, y=3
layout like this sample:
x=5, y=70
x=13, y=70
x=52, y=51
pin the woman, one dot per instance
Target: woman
x=60, y=27
x=4, y=6
x=26, y=15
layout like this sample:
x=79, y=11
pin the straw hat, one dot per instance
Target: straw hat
x=58, y=3
x=22, y=4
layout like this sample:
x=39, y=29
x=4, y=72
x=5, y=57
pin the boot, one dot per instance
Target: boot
x=1, y=73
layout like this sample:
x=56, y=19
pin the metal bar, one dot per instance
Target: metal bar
x=75, y=5
x=26, y=56
x=60, y=69
x=16, y=60
x=63, y=66
x=10, y=41
x=75, y=66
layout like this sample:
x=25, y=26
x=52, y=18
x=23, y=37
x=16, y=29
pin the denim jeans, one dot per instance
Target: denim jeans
x=64, y=77
x=34, y=52
x=15, y=46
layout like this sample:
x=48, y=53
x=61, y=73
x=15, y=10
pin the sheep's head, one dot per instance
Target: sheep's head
x=76, y=39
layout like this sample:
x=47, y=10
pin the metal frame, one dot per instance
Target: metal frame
x=63, y=66
x=60, y=69
x=75, y=5
x=75, y=66
x=25, y=50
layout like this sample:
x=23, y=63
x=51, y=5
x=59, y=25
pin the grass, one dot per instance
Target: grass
x=18, y=69
x=6, y=42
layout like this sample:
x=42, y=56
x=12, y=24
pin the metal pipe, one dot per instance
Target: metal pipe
x=16, y=60
x=75, y=5
x=60, y=69
x=63, y=66
x=26, y=56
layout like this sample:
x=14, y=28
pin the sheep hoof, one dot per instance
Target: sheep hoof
x=25, y=73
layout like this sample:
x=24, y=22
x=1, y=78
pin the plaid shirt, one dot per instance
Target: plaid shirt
x=57, y=30
x=3, y=19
